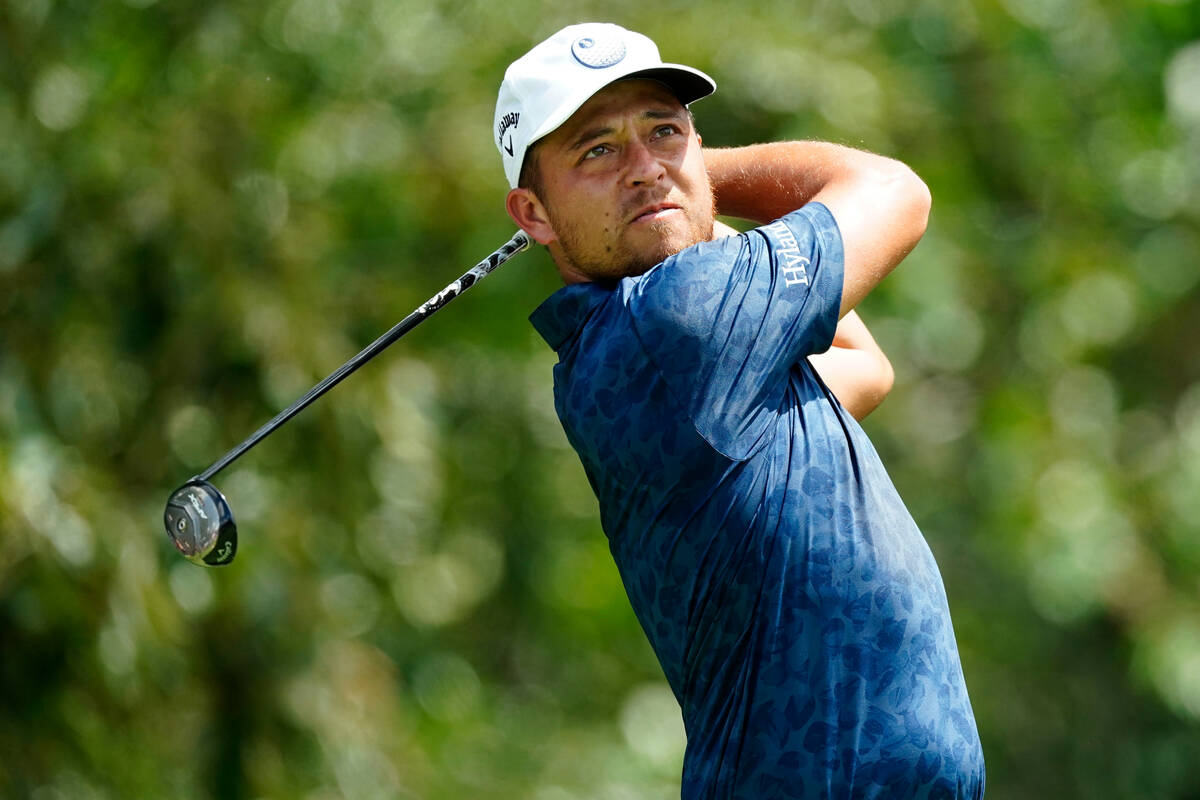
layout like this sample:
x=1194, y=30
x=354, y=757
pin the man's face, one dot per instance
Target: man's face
x=623, y=183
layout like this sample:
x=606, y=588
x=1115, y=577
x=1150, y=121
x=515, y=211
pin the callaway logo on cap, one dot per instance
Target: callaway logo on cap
x=544, y=87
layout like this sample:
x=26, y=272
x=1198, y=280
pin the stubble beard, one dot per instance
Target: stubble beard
x=611, y=262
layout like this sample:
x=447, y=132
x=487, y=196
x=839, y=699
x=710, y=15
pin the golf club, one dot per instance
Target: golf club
x=198, y=518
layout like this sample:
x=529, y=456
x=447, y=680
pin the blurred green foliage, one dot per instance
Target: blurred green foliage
x=207, y=206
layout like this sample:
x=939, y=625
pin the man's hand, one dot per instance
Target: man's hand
x=880, y=205
x=854, y=368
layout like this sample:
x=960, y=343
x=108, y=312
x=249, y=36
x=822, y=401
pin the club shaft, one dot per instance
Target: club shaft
x=520, y=241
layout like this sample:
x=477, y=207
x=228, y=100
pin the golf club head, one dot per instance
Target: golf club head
x=200, y=524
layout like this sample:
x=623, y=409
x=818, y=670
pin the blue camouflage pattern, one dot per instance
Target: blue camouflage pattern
x=794, y=605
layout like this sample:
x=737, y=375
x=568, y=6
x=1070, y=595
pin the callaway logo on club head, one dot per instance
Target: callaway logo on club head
x=598, y=52
x=509, y=120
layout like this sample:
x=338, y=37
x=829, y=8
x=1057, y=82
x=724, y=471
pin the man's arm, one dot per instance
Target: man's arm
x=854, y=368
x=880, y=205
x=881, y=208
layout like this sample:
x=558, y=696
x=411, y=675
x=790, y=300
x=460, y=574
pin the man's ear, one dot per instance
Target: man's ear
x=528, y=212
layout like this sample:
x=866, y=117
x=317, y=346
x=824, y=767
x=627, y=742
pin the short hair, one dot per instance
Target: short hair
x=531, y=175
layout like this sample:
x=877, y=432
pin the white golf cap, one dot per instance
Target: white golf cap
x=544, y=87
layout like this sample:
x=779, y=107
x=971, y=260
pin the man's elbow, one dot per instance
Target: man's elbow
x=872, y=385
x=882, y=379
x=912, y=202
x=885, y=378
x=922, y=203
x=882, y=214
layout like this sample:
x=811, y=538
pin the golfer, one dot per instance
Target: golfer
x=711, y=383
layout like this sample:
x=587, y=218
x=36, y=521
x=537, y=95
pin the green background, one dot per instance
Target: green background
x=205, y=207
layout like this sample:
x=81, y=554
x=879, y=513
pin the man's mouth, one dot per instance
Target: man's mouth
x=654, y=212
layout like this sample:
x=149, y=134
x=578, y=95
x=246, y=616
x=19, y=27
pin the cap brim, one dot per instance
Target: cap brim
x=687, y=84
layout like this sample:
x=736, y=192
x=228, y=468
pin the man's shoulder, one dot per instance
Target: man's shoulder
x=563, y=314
x=812, y=223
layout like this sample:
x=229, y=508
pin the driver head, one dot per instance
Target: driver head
x=200, y=524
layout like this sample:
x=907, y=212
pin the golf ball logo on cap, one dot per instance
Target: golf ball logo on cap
x=598, y=52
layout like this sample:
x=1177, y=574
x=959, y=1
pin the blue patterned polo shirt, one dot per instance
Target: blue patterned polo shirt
x=794, y=605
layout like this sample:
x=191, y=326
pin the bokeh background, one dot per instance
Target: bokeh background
x=205, y=207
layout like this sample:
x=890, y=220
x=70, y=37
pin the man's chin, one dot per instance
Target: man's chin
x=659, y=242
x=638, y=251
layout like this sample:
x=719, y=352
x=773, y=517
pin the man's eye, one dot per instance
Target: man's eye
x=598, y=150
x=663, y=131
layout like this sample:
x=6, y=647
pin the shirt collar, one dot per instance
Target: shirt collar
x=563, y=314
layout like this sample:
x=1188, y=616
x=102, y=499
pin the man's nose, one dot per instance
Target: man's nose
x=643, y=167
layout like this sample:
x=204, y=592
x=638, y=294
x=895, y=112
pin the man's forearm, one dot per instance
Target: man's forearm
x=762, y=182
x=855, y=368
x=880, y=205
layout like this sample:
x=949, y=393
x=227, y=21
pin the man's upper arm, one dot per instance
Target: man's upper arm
x=881, y=210
x=880, y=205
x=725, y=321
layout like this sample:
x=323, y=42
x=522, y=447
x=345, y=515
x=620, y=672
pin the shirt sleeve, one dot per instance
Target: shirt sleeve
x=725, y=321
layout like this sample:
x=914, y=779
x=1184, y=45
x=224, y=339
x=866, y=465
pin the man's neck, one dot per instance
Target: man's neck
x=721, y=230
